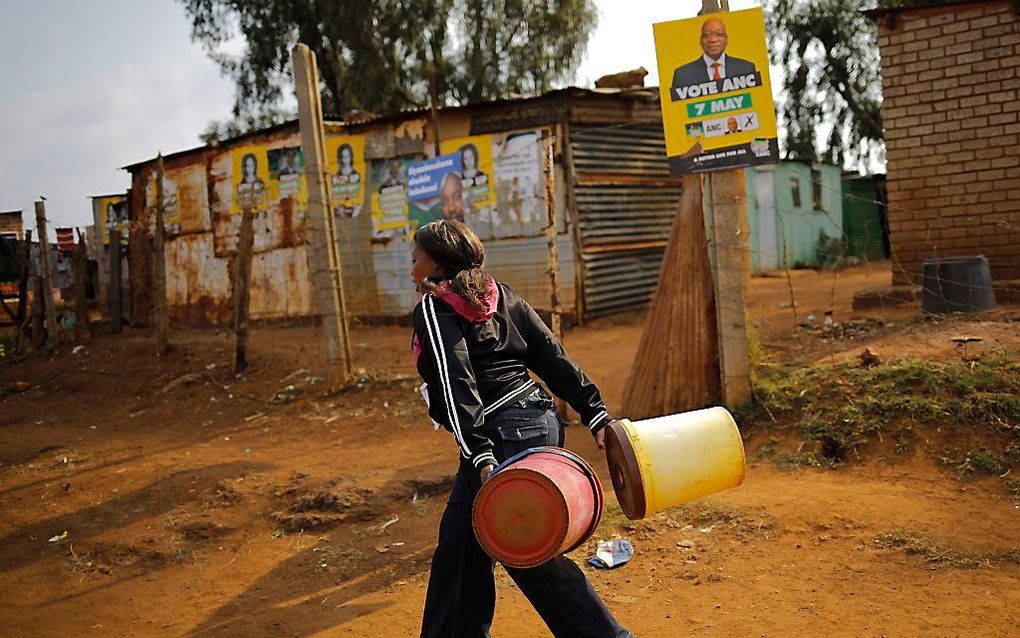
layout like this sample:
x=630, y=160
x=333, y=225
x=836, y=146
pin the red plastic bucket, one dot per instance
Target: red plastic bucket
x=537, y=505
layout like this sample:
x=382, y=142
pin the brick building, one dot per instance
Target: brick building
x=11, y=224
x=951, y=87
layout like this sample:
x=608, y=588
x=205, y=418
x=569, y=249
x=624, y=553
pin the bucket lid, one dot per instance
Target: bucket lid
x=625, y=471
x=520, y=517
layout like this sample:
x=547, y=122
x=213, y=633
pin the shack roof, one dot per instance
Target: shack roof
x=640, y=92
x=888, y=7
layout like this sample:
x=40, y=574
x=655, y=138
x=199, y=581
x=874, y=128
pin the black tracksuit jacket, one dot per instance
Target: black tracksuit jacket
x=472, y=368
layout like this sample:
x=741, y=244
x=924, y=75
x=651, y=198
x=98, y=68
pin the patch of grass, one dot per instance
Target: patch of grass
x=938, y=554
x=982, y=461
x=843, y=407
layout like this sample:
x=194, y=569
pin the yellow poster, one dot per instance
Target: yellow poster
x=717, y=109
x=250, y=176
x=389, y=198
x=345, y=157
x=113, y=214
x=476, y=169
x=171, y=214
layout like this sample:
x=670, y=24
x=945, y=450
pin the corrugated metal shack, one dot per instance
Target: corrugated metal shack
x=615, y=203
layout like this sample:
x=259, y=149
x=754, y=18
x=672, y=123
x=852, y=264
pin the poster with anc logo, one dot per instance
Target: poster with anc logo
x=250, y=176
x=476, y=170
x=717, y=109
x=171, y=214
x=113, y=214
x=345, y=159
x=389, y=198
x=287, y=175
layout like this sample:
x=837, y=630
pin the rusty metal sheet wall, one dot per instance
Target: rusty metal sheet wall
x=523, y=263
x=625, y=206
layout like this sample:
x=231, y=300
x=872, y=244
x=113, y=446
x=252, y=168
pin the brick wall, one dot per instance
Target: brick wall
x=951, y=86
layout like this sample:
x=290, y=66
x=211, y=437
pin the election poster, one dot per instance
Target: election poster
x=520, y=187
x=113, y=214
x=287, y=175
x=171, y=214
x=345, y=157
x=389, y=198
x=250, y=175
x=435, y=190
x=717, y=109
x=476, y=169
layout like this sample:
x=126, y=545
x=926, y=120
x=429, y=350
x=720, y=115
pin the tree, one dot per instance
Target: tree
x=376, y=55
x=832, y=87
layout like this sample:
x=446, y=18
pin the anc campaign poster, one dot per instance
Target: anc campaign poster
x=476, y=170
x=717, y=109
x=345, y=158
x=250, y=175
x=113, y=214
x=388, y=201
x=171, y=214
x=287, y=175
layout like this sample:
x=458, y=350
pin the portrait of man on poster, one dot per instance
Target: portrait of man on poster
x=714, y=63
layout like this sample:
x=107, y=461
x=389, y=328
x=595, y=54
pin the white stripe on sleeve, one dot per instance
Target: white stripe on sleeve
x=432, y=324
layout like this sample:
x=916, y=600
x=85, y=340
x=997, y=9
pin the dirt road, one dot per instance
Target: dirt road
x=197, y=505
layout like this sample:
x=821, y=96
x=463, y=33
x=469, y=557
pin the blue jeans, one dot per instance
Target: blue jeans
x=461, y=597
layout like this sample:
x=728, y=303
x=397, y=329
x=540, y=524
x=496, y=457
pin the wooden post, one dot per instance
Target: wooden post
x=549, y=142
x=46, y=273
x=25, y=257
x=727, y=209
x=116, y=309
x=555, y=312
x=323, y=251
x=81, y=275
x=242, y=279
x=159, y=267
x=434, y=110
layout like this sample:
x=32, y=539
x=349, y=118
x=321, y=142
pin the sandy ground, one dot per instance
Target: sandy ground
x=183, y=494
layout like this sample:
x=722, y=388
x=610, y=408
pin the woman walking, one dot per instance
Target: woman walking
x=475, y=341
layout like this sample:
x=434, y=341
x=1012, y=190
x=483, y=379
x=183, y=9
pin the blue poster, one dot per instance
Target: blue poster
x=435, y=189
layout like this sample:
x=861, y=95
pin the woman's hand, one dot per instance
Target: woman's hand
x=600, y=439
x=485, y=472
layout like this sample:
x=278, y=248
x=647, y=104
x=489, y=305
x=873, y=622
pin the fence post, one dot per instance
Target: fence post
x=116, y=310
x=323, y=252
x=159, y=267
x=242, y=278
x=46, y=274
x=81, y=274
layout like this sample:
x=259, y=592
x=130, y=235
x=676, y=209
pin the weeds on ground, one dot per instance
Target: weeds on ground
x=938, y=554
x=843, y=407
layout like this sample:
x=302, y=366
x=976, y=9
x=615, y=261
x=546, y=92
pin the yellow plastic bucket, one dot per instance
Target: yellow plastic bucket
x=661, y=462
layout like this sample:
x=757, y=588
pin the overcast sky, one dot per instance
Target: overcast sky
x=88, y=87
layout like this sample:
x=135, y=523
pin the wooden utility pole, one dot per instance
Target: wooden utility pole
x=726, y=216
x=81, y=274
x=159, y=267
x=46, y=273
x=116, y=310
x=242, y=282
x=323, y=250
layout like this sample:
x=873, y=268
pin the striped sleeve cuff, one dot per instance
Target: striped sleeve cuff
x=483, y=459
x=598, y=421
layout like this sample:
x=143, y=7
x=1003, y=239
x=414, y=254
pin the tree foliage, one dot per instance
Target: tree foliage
x=376, y=55
x=832, y=87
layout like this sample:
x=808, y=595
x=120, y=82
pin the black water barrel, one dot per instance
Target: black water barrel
x=957, y=284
